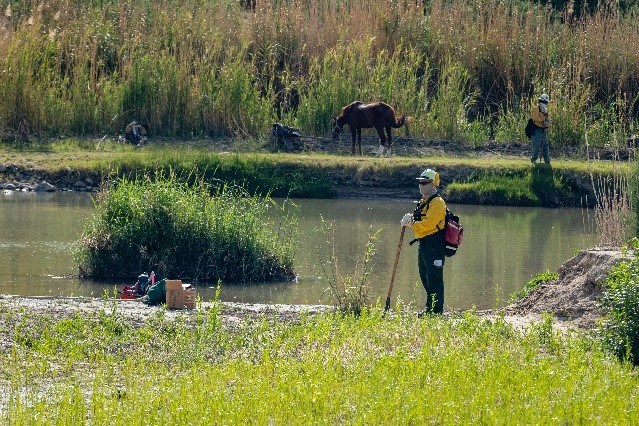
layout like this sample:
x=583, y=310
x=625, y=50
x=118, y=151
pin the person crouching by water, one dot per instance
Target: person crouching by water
x=427, y=221
x=539, y=139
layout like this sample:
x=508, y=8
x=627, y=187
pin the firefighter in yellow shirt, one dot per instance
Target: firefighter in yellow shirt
x=539, y=139
x=427, y=222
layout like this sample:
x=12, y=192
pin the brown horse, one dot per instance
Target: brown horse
x=359, y=115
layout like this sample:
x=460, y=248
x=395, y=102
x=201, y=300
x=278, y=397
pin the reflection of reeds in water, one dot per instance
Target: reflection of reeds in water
x=612, y=209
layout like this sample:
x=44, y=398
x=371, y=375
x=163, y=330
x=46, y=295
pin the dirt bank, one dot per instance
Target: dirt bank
x=136, y=313
x=573, y=298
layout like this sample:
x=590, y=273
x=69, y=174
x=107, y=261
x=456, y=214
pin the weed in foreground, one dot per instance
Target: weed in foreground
x=620, y=303
x=350, y=292
x=539, y=279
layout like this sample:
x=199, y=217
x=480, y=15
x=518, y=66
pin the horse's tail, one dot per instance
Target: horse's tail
x=400, y=122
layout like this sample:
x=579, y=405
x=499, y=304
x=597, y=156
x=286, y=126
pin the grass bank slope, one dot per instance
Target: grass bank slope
x=472, y=178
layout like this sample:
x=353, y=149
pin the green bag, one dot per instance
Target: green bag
x=156, y=293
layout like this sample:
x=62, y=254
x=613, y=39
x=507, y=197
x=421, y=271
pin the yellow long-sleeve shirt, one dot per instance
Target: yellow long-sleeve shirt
x=539, y=118
x=433, y=218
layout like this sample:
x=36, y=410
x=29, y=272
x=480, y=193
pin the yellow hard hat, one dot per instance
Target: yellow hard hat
x=429, y=175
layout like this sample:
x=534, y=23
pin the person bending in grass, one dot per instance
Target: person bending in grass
x=427, y=221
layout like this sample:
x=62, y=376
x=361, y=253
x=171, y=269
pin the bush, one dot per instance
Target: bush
x=620, y=303
x=181, y=231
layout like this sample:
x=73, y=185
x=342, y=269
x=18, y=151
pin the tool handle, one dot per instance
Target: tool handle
x=390, y=286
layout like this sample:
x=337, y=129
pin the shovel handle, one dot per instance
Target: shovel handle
x=390, y=286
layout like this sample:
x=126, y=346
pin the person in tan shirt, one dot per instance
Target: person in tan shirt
x=539, y=139
x=427, y=222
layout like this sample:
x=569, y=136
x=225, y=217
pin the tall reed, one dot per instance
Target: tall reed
x=615, y=200
x=350, y=292
x=193, y=68
x=613, y=210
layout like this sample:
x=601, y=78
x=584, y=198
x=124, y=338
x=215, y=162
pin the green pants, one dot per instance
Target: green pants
x=431, y=270
x=540, y=146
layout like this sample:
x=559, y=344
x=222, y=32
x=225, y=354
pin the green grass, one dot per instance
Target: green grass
x=496, y=190
x=330, y=368
x=538, y=186
x=620, y=303
x=539, y=279
x=491, y=180
x=82, y=153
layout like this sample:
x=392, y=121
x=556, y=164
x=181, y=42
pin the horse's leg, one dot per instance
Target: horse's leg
x=390, y=140
x=382, y=141
x=353, y=136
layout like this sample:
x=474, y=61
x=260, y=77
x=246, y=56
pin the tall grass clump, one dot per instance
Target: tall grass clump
x=182, y=231
x=456, y=95
x=613, y=209
x=351, y=72
x=511, y=124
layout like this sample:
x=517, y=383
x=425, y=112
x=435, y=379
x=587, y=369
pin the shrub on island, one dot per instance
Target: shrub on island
x=183, y=231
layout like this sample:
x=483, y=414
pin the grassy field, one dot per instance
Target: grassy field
x=331, y=368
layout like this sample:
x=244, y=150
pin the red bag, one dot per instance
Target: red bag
x=453, y=234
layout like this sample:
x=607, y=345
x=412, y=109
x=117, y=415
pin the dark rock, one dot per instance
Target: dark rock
x=45, y=186
x=285, y=137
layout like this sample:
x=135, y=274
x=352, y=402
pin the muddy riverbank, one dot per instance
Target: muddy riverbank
x=572, y=300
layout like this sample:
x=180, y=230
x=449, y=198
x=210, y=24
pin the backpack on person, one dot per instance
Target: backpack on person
x=453, y=234
x=530, y=128
x=453, y=230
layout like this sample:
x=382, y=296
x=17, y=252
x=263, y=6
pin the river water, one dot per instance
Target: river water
x=503, y=248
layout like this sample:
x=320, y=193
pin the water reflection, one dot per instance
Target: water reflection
x=503, y=248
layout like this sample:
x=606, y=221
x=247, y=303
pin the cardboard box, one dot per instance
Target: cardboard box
x=173, y=285
x=179, y=295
